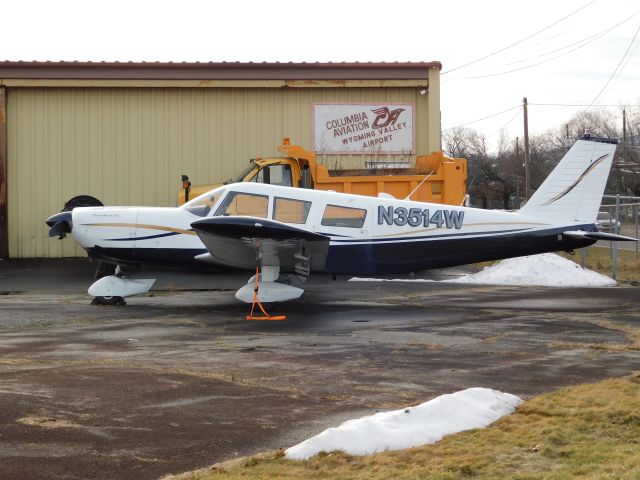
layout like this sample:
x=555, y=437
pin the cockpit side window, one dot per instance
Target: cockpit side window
x=203, y=206
x=238, y=203
x=339, y=216
x=288, y=210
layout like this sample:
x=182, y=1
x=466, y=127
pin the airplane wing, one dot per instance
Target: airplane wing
x=599, y=236
x=250, y=242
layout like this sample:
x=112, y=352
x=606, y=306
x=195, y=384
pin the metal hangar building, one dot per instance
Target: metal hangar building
x=125, y=132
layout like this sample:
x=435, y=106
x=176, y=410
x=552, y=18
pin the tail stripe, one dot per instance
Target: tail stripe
x=573, y=190
x=575, y=184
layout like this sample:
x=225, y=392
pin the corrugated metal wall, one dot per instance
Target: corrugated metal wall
x=129, y=146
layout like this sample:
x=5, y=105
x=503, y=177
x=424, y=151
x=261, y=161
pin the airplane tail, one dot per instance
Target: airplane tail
x=573, y=191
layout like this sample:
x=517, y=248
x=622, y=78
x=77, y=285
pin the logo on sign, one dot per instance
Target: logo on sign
x=386, y=117
x=361, y=127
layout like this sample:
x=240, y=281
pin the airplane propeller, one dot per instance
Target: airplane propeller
x=60, y=224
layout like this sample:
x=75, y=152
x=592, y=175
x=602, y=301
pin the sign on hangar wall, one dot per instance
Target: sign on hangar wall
x=346, y=128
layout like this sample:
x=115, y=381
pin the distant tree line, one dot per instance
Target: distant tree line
x=497, y=180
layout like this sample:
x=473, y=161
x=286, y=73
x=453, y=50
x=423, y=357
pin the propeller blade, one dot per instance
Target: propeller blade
x=60, y=224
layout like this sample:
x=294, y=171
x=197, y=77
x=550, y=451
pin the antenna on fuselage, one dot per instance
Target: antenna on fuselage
x=419, y=185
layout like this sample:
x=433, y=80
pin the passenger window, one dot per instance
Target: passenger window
x=337, y=216
x=201, y=207
x=236, y=203
x=287, y=210
x=274, y=175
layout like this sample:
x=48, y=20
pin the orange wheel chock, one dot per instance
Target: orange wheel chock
x=266, y=316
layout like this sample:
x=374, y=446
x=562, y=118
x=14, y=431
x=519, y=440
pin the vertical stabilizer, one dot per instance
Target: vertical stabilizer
x=573, y=191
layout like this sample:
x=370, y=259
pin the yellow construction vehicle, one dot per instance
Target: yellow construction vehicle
x=435, y=178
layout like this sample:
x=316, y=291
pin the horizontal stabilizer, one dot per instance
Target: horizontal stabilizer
x=599, y=236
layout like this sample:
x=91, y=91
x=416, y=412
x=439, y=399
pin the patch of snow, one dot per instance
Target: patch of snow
x=367, y=279
x=546, y=269
x=413, y=426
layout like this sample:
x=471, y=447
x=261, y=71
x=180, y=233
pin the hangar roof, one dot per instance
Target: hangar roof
x=217, y=70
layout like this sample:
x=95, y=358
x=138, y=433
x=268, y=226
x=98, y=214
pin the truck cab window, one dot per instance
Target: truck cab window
x=274, y=175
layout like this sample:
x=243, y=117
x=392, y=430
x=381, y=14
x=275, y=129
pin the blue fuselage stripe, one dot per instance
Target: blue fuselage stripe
x=424, y=254
x=133, y=239
x=393, y=255
x=427, y=237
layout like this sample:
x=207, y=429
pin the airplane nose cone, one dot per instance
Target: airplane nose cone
x=58, y=217
x=60, y=224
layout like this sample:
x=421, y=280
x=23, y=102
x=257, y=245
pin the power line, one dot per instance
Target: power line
x=583, y=43
x=619, y=63
x=589, y=37
x=506, y=124
x=624, y=65
x=583, y=105
x=483, y=118
x=520, y=41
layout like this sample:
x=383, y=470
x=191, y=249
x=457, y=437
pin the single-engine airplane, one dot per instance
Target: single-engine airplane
x=298, y=231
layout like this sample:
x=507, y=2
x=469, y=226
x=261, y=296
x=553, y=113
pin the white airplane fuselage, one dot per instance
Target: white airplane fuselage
x=137, y=235
x=395, y=235
x=401, y=236
x=285, y=229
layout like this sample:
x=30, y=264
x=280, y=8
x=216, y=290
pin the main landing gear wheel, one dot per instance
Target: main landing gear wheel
x=104, y=269
x=108, y=301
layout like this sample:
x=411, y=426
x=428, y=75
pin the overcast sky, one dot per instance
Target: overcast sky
x=577, y=55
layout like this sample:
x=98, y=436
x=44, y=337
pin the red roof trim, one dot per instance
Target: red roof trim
x=217, y=70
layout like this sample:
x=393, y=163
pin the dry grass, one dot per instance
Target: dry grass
x=46, y=422
x=599, y=259
x=587, y=431
x=427, y=345
x=631, y=333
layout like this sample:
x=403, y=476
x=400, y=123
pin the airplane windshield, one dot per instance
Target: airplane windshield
x=202, y=206
x=239, y=203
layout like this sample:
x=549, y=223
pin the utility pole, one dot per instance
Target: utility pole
x=518, y=166
x=624, y=135
x=527, y=186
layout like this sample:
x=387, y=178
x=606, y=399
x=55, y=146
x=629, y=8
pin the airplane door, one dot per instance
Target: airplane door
x=136, y=231
x=348, y=220
x=350, y=217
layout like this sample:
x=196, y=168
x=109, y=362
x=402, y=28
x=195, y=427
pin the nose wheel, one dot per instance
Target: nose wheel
x=113, y=289
x=111, y=300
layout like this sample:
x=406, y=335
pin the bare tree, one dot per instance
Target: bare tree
x=498, y=179
x=485, y=184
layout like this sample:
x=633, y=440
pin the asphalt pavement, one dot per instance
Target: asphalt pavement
x=178, y=379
